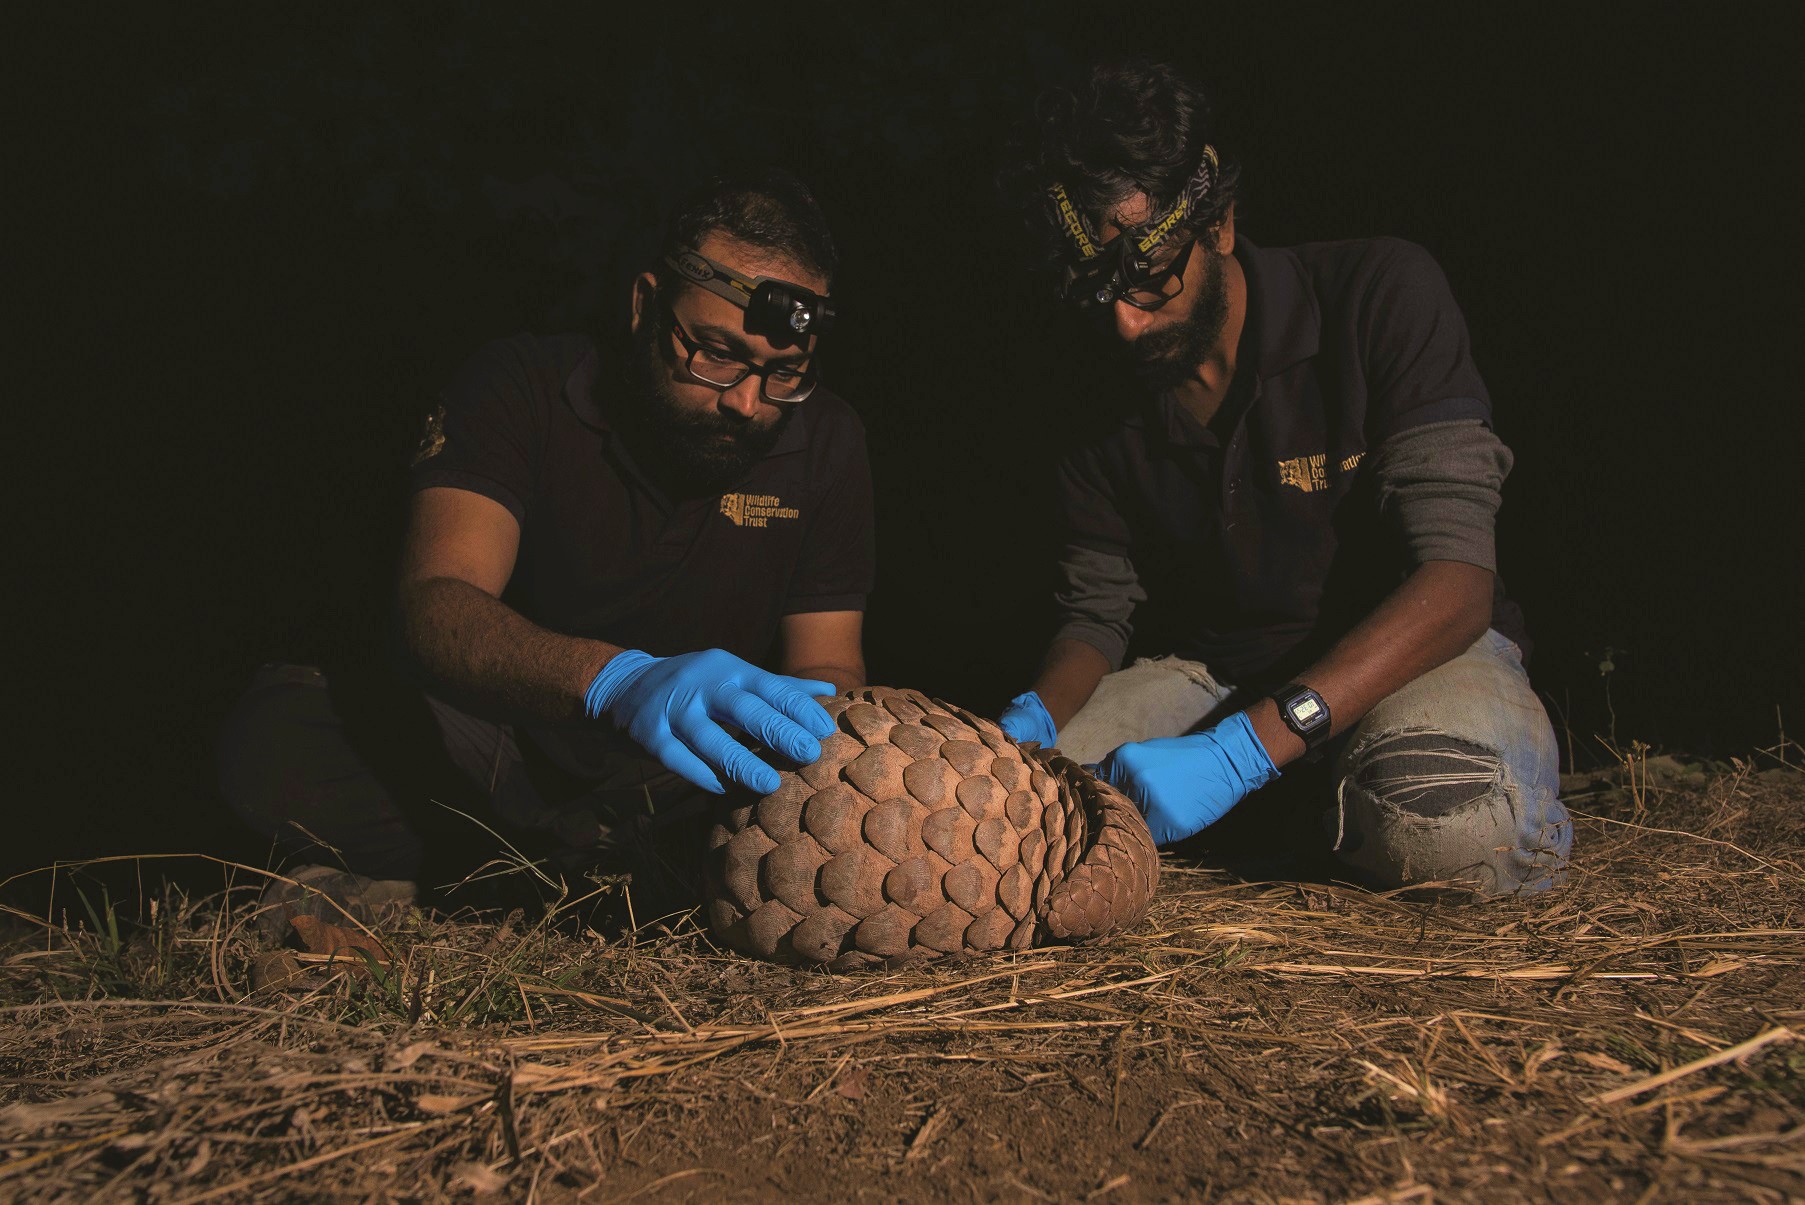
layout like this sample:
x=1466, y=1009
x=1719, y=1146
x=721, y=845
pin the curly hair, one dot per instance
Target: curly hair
x=770, y=209
x=1127, y=127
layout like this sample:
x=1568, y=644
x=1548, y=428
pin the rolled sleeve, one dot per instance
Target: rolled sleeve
x=1441, y=484
x=1096, y=599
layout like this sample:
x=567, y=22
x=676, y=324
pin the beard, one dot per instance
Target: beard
x=690, y=452
x=1165, y=359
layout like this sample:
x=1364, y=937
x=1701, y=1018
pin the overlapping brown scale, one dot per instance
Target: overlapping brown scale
x=917, y=740
x=878, y=771
x=990, y=931
x=835, y=817
x=923, y=830
x=932, y=782
x=981, y=796
x=893, y=828
x=966, y=757
x=996, y=839
x=869, y=722
x=915, y=884
x=943, y=929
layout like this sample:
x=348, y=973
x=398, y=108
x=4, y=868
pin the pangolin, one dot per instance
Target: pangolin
x=922, y=831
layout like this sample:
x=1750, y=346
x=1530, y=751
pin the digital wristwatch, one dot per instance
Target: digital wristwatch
x=1304, y=713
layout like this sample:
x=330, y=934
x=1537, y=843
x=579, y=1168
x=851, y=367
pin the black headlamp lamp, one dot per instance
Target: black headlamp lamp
x=782, y=312
x=1099, y=273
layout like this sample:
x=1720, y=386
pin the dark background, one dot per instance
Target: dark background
x=246, y=248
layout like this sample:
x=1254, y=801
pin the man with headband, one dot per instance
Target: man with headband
x=1292, y=521
x=633, y=566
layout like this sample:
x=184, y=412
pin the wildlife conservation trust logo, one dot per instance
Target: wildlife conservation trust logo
x=1309, y=473
x=755, y=510
x=1304, y=473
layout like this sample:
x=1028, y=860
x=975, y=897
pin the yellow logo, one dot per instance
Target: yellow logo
x=1074, y=225
x=755, y=510
x=1158, y=234
x=1304, y=473
x=1352, y=462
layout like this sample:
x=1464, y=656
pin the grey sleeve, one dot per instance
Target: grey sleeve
x=1440, y=485
x=1096, y=596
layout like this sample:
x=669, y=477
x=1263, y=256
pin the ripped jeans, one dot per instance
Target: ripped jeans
x=1453, y=779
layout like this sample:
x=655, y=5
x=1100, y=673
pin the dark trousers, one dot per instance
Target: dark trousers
x=364, y=770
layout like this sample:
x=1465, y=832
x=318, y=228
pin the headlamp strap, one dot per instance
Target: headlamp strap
x=1150, y=234
x=1077, y=226
x=701, y=270
x=783, y=312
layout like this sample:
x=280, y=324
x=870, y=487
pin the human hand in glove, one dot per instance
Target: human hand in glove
x=1026, y=719
x=1184, y=784
x=674, y=708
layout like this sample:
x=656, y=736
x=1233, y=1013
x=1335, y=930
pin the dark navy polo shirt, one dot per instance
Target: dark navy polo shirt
x=1259, y=540
x=605, y=554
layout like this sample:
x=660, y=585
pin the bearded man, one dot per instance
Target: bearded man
x=1291, y=516
x=609, y=542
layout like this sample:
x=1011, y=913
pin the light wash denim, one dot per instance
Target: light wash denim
x=1453, y=779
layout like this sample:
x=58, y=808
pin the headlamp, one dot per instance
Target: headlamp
x=780, y=311
x=1099, y=273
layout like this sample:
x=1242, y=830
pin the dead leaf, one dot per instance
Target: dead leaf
x=408, y=1055
x=438, y=1103
x=202, y=1157
x=479, y=1178
x=133, y=1142
x=31, y=1116
x=336, y=941
x=277, y=970
x=1603, y=1062
x=1718, y=966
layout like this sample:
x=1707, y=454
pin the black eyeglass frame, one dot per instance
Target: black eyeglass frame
x=1102, y=286
x=810, y=374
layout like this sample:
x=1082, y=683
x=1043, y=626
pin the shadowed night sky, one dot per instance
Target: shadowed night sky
x=251, y=248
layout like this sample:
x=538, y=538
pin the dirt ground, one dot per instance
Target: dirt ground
x=1633, y=1036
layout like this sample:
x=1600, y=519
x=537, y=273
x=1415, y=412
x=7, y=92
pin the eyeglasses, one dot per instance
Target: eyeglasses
x=782, y=384
x=1159, y=287
x=1118, y=275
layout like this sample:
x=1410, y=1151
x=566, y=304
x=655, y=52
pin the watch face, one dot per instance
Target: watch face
x=1307, y=711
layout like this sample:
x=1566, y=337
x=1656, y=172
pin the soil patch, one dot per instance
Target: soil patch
x=1634, y=1035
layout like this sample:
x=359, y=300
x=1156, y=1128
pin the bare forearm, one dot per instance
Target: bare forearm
x=844, y=677
x=1068, y=676
x=482, y=653
x=1433, y=617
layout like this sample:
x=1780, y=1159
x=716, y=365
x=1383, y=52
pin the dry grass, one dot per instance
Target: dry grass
x=1630, y=1037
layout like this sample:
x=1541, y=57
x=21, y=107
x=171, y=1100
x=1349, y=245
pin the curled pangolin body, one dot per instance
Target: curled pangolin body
x=923, y=830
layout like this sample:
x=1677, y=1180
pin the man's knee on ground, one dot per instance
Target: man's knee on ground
x=261, y=750
x=289, y=771
x=1426, y=807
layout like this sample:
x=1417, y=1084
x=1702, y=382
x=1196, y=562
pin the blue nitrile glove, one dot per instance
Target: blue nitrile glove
x=1026, y=719
x=1184, y=784
x=674, y=707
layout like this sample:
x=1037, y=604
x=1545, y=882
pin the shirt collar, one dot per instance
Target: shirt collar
x=579, y=392
x=1281, y=305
